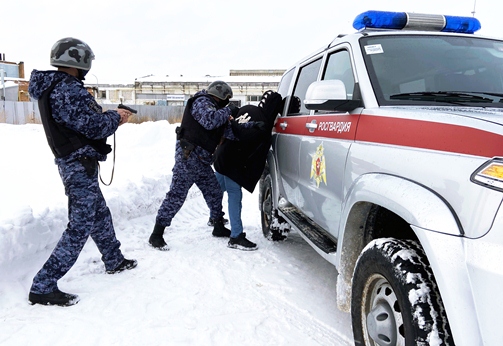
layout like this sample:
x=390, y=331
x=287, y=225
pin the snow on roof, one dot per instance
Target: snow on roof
x=9, y=84
x=208, y=79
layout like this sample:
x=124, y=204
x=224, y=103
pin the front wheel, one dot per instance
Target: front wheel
x=274, y=227
x=395, y=299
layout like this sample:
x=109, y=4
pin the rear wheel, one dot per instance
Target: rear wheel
x=274, y=227
x=395, y=299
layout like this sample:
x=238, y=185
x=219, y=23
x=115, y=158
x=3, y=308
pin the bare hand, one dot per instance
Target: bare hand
x=124, y=114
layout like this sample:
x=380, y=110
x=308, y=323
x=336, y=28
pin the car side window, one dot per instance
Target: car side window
x=285, y=82
x=339, y=67
x=307, y=75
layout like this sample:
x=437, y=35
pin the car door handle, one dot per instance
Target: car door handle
x=283, y=125
x=312, y=126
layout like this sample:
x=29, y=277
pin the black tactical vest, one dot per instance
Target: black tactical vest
x=62, y=140
x=195, y=133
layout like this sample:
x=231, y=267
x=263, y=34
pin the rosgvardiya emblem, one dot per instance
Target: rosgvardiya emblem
x=318, y=169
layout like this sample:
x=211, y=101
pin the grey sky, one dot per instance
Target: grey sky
x=136, y=38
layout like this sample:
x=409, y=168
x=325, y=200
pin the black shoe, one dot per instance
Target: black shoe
x=54, y=298
x=125, y=265
x=219, y=229
x=157, y=242
x=241, y=243
x=211, y=222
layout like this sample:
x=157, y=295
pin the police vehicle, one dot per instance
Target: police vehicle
x=388, y=161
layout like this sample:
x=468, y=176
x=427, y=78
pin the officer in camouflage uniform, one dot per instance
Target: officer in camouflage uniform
x=76, y=129
x=205, y=120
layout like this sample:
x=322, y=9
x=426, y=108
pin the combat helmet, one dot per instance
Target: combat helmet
x=72, y=52
x=220, y=89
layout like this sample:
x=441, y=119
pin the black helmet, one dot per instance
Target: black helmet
x=72, y=52
x=220, y=89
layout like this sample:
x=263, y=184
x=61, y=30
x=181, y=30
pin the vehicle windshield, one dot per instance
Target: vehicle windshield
x=435, y=70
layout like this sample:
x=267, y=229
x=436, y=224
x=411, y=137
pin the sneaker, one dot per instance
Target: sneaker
x=219, y=229
x=54, y=298
x=241, y=243
x=126, y=264
x=211, y=222
x=157, y=242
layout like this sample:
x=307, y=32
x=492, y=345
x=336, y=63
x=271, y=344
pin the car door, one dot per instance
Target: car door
x=324, y=150
x=290, y=129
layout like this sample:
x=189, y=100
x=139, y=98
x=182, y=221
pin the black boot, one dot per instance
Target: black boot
x=156, y=239
x=211, y=222
x=126, y=264
x=219, y=229
x=54, y=298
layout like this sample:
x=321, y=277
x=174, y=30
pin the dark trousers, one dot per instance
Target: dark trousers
x=88, y=215
x=187, y=172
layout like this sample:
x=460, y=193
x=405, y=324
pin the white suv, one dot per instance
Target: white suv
x=388, y=160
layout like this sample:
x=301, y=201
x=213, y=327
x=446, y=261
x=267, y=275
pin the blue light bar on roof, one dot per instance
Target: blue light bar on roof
x=415, y=21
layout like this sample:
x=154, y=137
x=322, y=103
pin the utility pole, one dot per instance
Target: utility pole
x=2, y=72
x=474, y=4
x=97, y=87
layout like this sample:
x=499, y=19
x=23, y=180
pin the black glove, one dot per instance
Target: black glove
x=259, y=125
x=234, y=109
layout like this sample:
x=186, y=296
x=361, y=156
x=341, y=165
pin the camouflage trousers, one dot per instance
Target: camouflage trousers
x=88, y=215
x=187, y=172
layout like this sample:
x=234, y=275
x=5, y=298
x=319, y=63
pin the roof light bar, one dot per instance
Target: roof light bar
x=415, y=21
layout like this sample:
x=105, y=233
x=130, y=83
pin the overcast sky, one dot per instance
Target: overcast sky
x=133, y=38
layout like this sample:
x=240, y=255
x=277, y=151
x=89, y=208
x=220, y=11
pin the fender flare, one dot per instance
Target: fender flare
x=415, y=203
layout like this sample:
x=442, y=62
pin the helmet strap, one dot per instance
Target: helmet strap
x=82, y=74
x=223, y=103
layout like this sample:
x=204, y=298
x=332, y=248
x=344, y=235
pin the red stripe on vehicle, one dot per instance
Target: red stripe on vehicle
x=338, y=126
x=398, y=131
x=295, y=125
x=429, y=135
x=331, y=126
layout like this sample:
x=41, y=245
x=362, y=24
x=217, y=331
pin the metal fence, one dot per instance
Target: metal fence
x=12, y=112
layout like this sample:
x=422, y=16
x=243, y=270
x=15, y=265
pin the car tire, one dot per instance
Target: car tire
x=395, y=299
x=274, y=227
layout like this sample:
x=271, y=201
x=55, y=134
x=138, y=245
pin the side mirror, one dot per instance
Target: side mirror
x=329, y=95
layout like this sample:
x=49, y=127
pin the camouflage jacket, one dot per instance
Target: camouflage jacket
x=75, y=108
x=210, y=117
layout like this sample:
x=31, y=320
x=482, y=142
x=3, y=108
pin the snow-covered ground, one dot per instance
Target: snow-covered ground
x=198, y=293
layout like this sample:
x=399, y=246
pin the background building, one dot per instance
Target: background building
x=13, y=86
x=247, y=86
x=155, y=98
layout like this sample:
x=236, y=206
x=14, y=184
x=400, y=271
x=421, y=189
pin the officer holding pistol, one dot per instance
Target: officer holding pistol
x=204, y=122
x=76, y=129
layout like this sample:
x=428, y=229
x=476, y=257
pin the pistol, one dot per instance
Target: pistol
x=134, y=111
